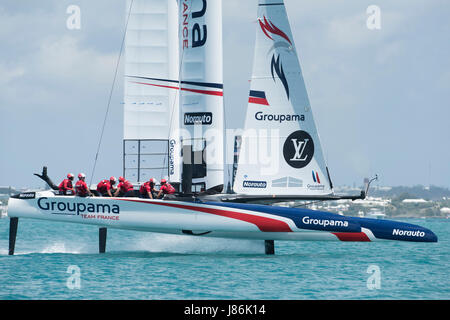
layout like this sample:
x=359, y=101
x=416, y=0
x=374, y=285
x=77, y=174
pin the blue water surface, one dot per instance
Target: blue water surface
x=141, y=265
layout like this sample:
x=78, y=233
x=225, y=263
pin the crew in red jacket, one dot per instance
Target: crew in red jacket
x=66, y=186
x=81, y=187
x=166, y=188
x=106, y=188
x=147, y=190
x=124, y=188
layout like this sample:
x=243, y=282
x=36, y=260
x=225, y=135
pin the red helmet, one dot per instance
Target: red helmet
x=81, y=176
x=121, y=179
x=70, y=176
x=163, y=181
x=112, y=179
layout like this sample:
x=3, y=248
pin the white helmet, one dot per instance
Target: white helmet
x=81, y=176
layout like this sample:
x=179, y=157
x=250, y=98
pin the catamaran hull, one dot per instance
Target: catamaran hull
x=241, y=221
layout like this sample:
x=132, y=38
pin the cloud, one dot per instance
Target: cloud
x=64, y=59
x=9, y=74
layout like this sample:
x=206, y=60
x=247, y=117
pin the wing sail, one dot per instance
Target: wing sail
x=280, y=150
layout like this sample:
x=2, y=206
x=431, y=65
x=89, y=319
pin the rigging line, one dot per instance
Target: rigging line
x=225, y=137
x=111, y=92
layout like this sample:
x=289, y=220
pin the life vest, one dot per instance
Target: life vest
x=103, y=186
x=125, y=186
x=167, y=188
x=81, y=188
x=146, y=187
x=65, y=185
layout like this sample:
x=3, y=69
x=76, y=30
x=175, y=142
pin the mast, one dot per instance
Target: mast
x=201, y=93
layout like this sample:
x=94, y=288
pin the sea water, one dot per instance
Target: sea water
x=61, y=261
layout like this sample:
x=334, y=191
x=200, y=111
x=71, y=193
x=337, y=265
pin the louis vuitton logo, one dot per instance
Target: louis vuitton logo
x=299, y=147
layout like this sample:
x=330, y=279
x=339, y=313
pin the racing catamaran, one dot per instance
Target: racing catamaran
x=173, y=127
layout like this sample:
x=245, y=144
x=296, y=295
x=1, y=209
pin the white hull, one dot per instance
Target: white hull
x=211, y=219
x=163, y=216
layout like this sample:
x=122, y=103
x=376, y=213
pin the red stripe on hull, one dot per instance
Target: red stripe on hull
x=264, y=224
x=351, y=236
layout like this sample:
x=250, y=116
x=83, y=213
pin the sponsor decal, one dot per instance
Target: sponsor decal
x=204, y=118
x=254, y=184
x=316, y=179
x=315, y=187
x=199, y=34
x=298, y=149
x=324, y=222
x=76, y=208
x=276, y=66
x=172, y=144
x=99, y=216
x=268, y=27
x=261, y=116
x=185, y=23
x=258, y=97
x=315, y=176
x=409, y=233
x=27, y=195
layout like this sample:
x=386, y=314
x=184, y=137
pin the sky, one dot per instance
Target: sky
x=380, y=97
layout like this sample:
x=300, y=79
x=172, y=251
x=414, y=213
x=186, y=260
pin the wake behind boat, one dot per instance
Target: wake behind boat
x=174, y=100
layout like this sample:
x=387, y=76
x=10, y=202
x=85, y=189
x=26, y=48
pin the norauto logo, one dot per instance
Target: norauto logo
x=409, y=233
x=75, y=208
x=193, y=118
x=254, y=184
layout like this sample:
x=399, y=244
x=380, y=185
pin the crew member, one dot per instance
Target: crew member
x=147, y=190
x=124, y=188
x=106, y=187
x=166, y=188
x=81, y=187
x=66, y=187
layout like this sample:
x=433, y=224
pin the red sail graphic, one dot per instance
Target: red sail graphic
x=270, y=27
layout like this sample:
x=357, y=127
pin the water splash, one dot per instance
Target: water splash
x=154, y=242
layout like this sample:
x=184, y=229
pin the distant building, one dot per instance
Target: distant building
x=414, y=201
x=7, y=190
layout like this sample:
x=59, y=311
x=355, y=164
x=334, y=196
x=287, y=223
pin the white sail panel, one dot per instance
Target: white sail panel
x=151, y=77
x=280, y=152
x=201, y=101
